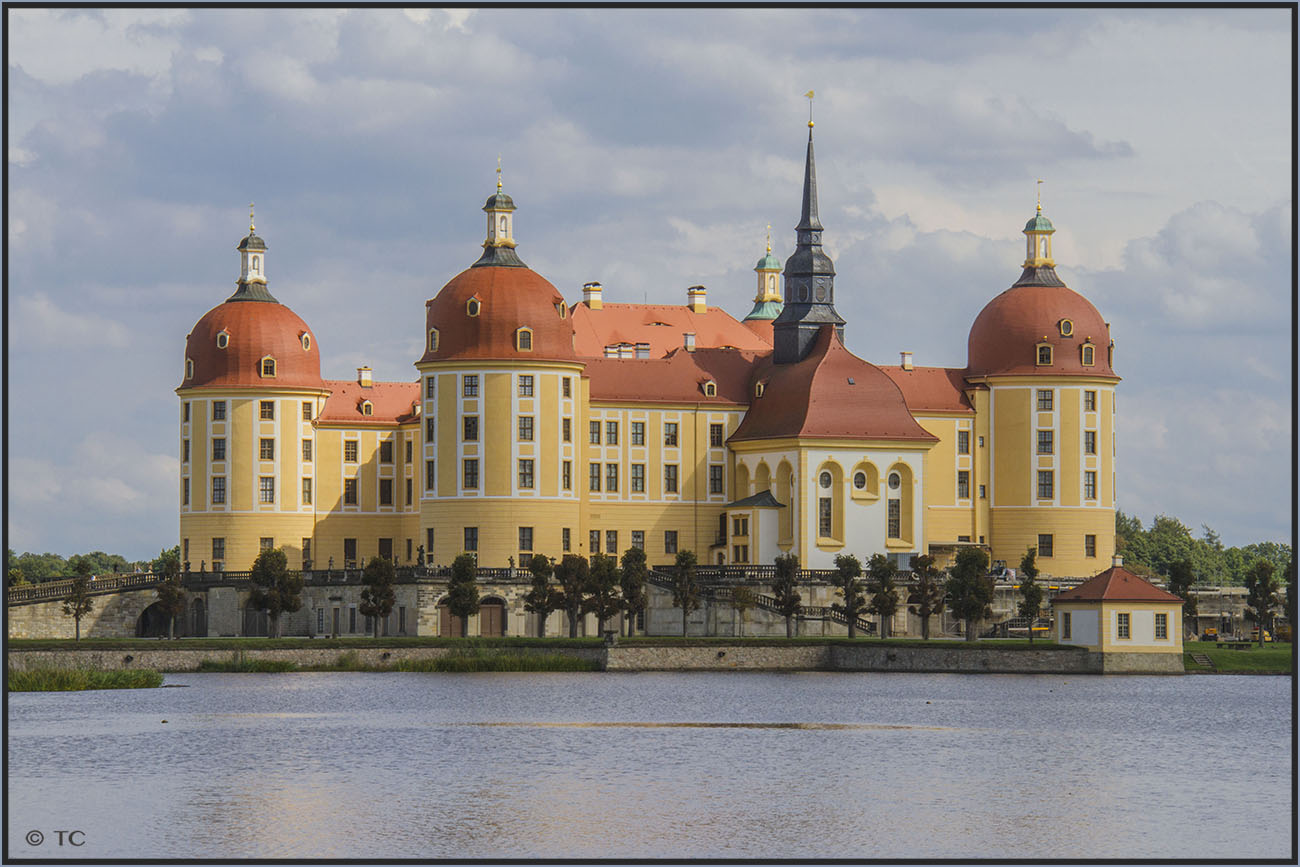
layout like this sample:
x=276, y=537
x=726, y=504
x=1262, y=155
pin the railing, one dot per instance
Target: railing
x=716, y=592
x=61, y=587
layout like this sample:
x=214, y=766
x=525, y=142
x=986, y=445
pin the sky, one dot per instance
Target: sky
x=648, y=150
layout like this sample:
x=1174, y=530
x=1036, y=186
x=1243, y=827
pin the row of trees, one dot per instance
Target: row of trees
x=1156, y=550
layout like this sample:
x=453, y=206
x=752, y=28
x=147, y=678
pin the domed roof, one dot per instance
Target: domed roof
x=252, y=242
x=508, y=299
x=499, y=201
x=768, y=263
x=1039, y=223
x=254, y=330
x=1005, y=336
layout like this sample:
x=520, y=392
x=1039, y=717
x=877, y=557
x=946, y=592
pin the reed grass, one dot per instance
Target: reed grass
x=480, y=659
x=74, y=679
x=238, y=662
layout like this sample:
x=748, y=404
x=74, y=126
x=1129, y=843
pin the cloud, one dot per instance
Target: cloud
x=45, y=324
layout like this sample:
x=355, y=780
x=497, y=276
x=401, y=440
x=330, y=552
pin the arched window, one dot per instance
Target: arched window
x=256, y=263
x=1088, y=354
x=710, y=389
x=503, y=224
x=1044, y=246
x=1044, y=354
x=759, y=388
x=268, y=367
x=524, y=340
x=189, y=368
x=771, y=282
x=433, y=340
x=223, y=339
x=367, y=408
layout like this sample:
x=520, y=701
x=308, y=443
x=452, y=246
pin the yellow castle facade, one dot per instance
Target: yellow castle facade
x=536, y=425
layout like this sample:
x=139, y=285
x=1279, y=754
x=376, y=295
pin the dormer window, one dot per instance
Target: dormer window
x=1044, y=354
x=710, y=389
x=759, y=388
x=367, y=408
x=561, y=309
x=1088, y=354
x=268, y=367
x=1067, y=327
x=223, y=339
x=473, y=306
x=433, y=340
x=306, y=341
x=189, y=368
x=524, y=340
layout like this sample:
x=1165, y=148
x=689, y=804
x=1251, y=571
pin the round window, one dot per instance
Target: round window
x=473, y=307
x=859, y=480
x=825, y=479
x=894, y=481
x=1067, y=327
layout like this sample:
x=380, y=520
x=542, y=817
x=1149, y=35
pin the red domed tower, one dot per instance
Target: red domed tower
x=1040, y=356
x=251, y=386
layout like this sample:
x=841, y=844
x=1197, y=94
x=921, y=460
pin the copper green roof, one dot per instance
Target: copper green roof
x=768, y=263
x=765, y=310
x=1039, y=224
x=499, y=201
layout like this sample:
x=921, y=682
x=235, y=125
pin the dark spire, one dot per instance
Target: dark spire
x=809, y=280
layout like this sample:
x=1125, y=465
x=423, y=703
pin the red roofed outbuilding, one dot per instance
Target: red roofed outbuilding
x=1124, y=615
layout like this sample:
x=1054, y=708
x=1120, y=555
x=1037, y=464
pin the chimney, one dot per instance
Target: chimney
x=695, y=299
x=363, y=377
x=907, y=360
x=688, y=340
x=591, y=294
x=643, y=350
x=1117, y=560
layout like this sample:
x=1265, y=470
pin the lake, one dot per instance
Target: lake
x=668, y=765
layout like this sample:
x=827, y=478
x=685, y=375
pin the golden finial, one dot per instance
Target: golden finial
x=250, y=218
x=769, y=237
x=809, y=94
x=498, y=173
x=1039, y=188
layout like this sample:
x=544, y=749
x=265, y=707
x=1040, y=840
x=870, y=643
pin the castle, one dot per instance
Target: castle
x=539, y=426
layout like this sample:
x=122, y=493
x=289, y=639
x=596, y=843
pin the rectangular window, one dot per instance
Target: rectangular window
x=428, y=546
x=430, y=429
x=1090, y=401
x=406, y=457
x=185, y=451
x=1162, y=625
x=349, y=492
x=386, y=451
x=218, y=490
x=525, y=472
x=983, y=492
x=185, y=492
x=525, y=538
x=1045, y=442
x=593, y=477
x=350, y=451
x=566, y=537
x=611, y=433
x=593, y=433
x=266, y=449
x=1090, y=442
x=670, y=479
x=611, y=478
x=638, y=433
x=306, y=410
x=352, y=619
x=963, y=484
x=429, y=382
x=469, y=385
x=306, y=492
x=593, y=541
x=715, y=478
x=670, y=433
x=638, y=478
x=1089, y=485
x=670, y=541
x=401, y=618
x=1122, y=626
x=1089, y=545
x=470, y=467
x=895, y=520
x=469, y=428
x=1066, y=625
x=715, y=435
x=963, y=442
x=185, y=411
x=218, y=448
x=526, y=428
x=266, y=543
x=824, y=516
x=1046, y=484
x=385, y=492
x=525, y=385
x=218, y=549
x=266, y=489
x=218, y=410
x=638, y=539
x=471, y=538
x=268, y=410
x=611, y=541
x=566, y=475
x=1045, y=399
x=566, y=429
x=740, y=526
x=409, y=497
x=739, y=553
x=430, y=479
x=1045, y=545
x=306, y=451
x=566, y=390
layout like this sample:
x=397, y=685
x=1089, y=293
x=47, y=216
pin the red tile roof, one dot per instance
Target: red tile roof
x=593, y=330
x=1004, y=337
x=1117, y=584
x=391, y=402
x=255, y=330
x=938, y=389
x=831, y=393
x=679, y=377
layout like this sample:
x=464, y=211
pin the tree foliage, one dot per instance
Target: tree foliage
x=603, y=599
x=542, y=597
x=1031, y=592
x=167, y=563
x=743, y=598
x=571, y=573
x=378, y=596
x=969, y=589
x=632, y=578
x=171, y=594
x=789, y=603
x=1262, y=596
x=925, y=598
x=78, y=603
x=462, y=589
x=884, y=592
x=848, y=569
x=275, y=589
x=1154, y=551
x=1181, y=578
x=686, y=590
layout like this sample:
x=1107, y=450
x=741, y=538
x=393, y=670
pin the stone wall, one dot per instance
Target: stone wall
x=949, y=656
x=113, y=615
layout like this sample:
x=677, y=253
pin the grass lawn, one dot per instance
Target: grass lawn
x=1273, y=658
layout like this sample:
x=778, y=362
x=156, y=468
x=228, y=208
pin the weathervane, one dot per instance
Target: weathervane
x=1039, y=197
x=769, y=237
x=809, y=94
x=250, y=218
x=498, y=173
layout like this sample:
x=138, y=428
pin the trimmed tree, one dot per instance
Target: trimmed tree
x=925, y=597
x=1181, y=578
x=78, y=603
x=743, y=599
x=378, y=596
x=686, y=591
x=1031, y=592
x=602, y=589
x=462, y=592
x=171, y=593
x=275, y=589
x=632, y=578
x=883, y=590
x=1262, y=596
x=571, y=573
x=970, y=589
x=848, y=569
x=789, y=603
x=542, y=598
